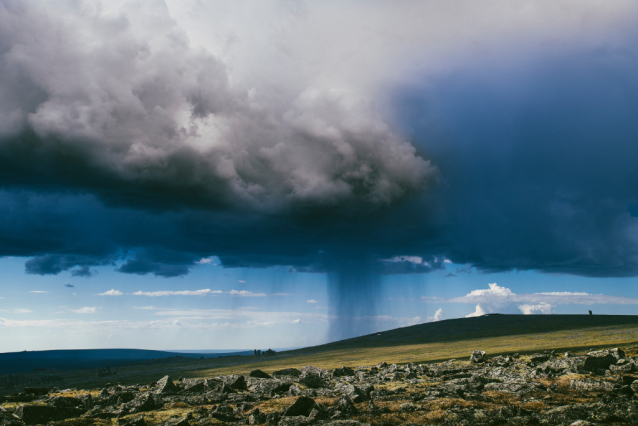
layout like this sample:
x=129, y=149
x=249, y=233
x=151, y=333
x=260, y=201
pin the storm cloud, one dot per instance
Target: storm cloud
x=147, y=136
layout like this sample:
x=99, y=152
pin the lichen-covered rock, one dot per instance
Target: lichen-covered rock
x=287, y=372
x=314, y=377
x=259, y=374
x=301, y=407
x=343, y=372
x=477, y=357
x=165, y=385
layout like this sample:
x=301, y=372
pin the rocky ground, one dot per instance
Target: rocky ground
x=545, y=388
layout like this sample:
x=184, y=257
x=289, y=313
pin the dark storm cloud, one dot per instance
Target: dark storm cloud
x=133, y=149
x=537, y=158
x=122, y=107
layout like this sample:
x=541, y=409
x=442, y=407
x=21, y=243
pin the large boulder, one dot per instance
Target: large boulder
x=218, y=386
x=287, y=372
x=41, y=414
x=165, y=385
x=132, y=421
x=600, y=360
x=268, y=387
x=301, y=407
x=223, y=412
x=259, y=374
x=141, y=403
x=314, y=377
x=477, y=357
x=235, y=381
x=343, y=372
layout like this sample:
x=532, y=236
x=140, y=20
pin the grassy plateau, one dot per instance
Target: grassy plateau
x=431, y=342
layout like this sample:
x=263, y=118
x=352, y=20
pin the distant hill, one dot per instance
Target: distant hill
x=486, y=326
x=28, y=361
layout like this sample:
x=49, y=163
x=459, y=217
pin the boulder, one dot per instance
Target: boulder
x=40, y=414
x=165, y=385
x=591, y=385
x=287, y=372
x=268, y=386
x=218, y=386
x=141, y=403
x=256, y=417
x=314, y=377
x=345, y=407
x=343, y=372
x=301, y=407
x=223, y=412
x=477, y=357
x=599, y=360
x=175, y=421
x=132, y=421
x=259, y=374
x=235, y=381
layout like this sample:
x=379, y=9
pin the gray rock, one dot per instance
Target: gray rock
x=165, y=385
x=591, y=385
x=235, y=381
x=301, y=407
x=176, y=421
x=256, y=417
x=259, y=374
x=314, y=377
x=40, y=414
x=477, y=357
x=132, y=421
x=343, y=372
x=287, y=372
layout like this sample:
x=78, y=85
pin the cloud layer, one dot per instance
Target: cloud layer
x=136, y=137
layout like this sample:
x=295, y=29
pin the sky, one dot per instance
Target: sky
x=223, y=175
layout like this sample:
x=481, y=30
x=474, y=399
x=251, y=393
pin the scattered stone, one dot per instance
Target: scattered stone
x=301, y=407
x=314, y=377
x=477, y=357
x=259, y=374
x=287, y=372
x=132, y=421
x=165, y=385
x=235, y=381
x=343, y=372
x=256, y=417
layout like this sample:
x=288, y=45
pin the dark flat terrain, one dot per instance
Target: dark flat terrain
x=28, y=361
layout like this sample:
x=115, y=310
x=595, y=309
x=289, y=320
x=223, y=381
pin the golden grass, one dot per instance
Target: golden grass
x=423, y=343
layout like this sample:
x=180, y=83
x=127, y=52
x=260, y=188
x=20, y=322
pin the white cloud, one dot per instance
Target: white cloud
x=311, y=301
x=212, y=260
x=22, y=311
x=111, y=292
x=477, y=312
x=241, y=281
x=501, y=299
x=147, y=308
x=85, y=310
x=245, y=293
x=297, y=321
x=438, y=316
x=201, y=292
x=38, y=291
x=543, y=308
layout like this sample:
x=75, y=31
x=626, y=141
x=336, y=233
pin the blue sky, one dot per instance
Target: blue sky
x=395, y=162
x=270, y=308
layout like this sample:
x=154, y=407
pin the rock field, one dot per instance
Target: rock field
x=543, y=388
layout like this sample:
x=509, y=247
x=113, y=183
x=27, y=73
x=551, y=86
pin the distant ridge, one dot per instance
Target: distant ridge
x=72, y=359
x=485, y=326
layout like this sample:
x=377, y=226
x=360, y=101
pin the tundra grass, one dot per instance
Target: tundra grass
x=433, y=342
